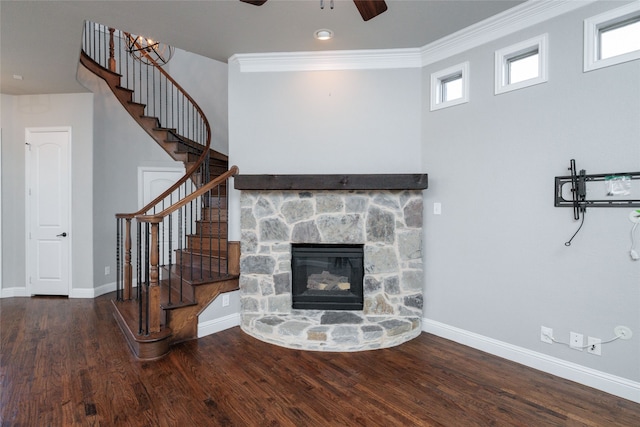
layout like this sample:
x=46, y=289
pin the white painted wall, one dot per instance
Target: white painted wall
x=205, y=80
x=496, y=267
x=495, y=260
x=18, y=113
x=120, y=146
x=323, y=122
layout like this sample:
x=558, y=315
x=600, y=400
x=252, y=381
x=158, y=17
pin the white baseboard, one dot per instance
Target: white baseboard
x=216, y=325
x=92, y=292
x=105, y=289
x=74, y=293
x=608, y=383
x=13, y=292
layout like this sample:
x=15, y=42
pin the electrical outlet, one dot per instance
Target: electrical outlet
x=225, y=300
x=576, y=341
x=595, y=346
x=437, y=208
x=107, y=270
x=546, y=334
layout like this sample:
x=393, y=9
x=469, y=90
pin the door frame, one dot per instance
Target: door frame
x=27, y=160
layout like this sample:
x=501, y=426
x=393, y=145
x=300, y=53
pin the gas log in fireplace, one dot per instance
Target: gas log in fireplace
x=327, y=276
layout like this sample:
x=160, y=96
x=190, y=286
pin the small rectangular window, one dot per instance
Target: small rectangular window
x=521, y=65
x=612, y=37
x=620, y=38
x=450, y=87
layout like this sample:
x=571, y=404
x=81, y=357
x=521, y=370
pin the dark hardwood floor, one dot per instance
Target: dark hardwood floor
x=65, y=363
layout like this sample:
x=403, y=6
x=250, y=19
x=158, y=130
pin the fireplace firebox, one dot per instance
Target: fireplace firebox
x=327, y=276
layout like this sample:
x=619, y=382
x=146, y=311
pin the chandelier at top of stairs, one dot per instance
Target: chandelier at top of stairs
x=147, y=50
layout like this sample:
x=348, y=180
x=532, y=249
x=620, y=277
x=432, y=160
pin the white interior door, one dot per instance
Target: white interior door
x=153, y=181
x=48, y=211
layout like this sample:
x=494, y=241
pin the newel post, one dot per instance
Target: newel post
x=154, y=285
x=112, y=59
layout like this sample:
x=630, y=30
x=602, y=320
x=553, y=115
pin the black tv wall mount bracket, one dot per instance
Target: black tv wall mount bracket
x=579, y=201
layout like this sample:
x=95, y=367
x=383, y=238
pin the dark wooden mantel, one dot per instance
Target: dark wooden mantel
x=332, y=182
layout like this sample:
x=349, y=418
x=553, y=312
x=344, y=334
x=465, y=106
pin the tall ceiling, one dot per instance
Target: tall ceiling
x=40, y=40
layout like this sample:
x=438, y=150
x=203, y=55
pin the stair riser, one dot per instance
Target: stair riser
x=213, y=214
x=198, y=273
x=216, y=198
x=196, y=259
x=187, y=293
x=195, y=243
x=216, y=229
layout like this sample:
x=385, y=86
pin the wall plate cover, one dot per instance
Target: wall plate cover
x=623, y=332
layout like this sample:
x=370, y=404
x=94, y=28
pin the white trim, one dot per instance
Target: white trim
x=14, y=292
x=515, y=19
x=93, y=292
x=608, y=383
x=328, y=60
x=592, y=28
x=82, y=293
x=503, y=56
x=503, y=24
x=437, y=79
x=217, y=325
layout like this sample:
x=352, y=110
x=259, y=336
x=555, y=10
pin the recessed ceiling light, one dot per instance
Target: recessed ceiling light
x=17, y=76
x=323, y=34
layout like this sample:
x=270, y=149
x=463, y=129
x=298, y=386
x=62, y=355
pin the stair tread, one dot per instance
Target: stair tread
x=128, y=312
x=124, y=88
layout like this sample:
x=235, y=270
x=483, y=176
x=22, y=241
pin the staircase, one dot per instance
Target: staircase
x=173, y=256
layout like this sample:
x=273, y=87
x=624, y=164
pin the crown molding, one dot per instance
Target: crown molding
x=328, y=60
x=517, y=18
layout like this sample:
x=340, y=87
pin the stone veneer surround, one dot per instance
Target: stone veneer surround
x=387, y=222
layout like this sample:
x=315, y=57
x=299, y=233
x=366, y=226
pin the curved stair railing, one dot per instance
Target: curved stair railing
x=181, y=236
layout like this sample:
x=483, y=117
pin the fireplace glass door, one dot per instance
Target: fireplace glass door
x=327, y=276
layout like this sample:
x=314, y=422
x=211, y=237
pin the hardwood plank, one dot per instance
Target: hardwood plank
x=65, y=362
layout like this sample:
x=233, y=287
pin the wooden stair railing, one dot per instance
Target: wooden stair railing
x=182, y=257
x=216, y=260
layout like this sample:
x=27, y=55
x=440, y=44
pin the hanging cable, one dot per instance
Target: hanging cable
x=568, y=243
x=632, y=252
x=550, y=336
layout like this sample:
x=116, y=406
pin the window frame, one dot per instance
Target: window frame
x=521, y=50
x=440, y=78
x=593, y=27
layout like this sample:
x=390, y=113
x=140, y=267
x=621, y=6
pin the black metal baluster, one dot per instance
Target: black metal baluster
x=118, y=259
x=147, y=272
x=170, y=220
x=140, y=280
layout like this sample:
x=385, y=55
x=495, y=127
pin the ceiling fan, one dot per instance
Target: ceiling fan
x=368, y=8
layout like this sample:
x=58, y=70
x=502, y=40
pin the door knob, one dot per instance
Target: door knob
x=62, y=235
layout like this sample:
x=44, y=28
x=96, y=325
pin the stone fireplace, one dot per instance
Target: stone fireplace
x=385, y=222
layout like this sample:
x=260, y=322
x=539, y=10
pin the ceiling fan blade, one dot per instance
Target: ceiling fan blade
x=255, y=2
x=370, y=8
